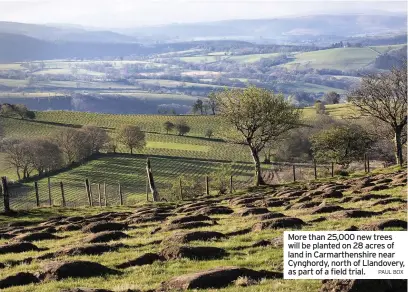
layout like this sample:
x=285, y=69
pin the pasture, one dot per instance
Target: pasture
x=147, y=254
x=339, y=58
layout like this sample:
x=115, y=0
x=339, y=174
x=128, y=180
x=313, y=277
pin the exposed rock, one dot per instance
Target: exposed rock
x=192, y=252
x=375, y=285
x=145, y=259
x=19, y=279
x=104, y=226
x=287, y=222
x=216, y=278
x=106, y=236
x=18, y=247
x=76, y=269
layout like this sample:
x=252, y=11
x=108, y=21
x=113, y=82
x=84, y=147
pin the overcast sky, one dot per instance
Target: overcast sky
x=132, y=13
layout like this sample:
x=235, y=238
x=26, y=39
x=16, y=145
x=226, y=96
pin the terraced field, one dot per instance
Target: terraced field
x=194, y=245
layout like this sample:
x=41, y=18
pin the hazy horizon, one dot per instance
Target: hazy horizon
x=127, y=14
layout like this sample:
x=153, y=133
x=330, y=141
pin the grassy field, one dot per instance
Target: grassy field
x=251, y=58
x=384, y=49
x=130, y=172
x=239, y=249
x=192, y=146
x=339, y=58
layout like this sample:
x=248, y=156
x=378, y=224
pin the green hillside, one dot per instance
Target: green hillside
x=339, y=58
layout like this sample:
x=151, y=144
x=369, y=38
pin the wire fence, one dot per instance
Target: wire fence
x=75, y=193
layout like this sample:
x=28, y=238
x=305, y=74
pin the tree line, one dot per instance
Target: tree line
x=66, y=148
x=260, y=119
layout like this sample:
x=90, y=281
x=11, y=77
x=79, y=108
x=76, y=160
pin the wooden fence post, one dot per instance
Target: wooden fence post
x=230, y=185
x=37, y=197
x=368, y=164
x=49, y=192
x=152, y=185
x=104, y=194
x=147, y=190
x=6, y=194
x=207, y=187
x=64, y=204
x=365, y=163
x=332, y=169
x=99, y=195
x=181, y=189
x=294, y=172
x=315, y=169
x=120, y=195
x=88, y=191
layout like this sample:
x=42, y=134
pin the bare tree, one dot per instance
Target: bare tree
x=182, y=128
x=132, y=137
x=44, y=155
x=384, y=96
x=97, y=138
x=258, y=116
x=73, y=144
x=17, y=156
x=168, y=126
x=212, y=102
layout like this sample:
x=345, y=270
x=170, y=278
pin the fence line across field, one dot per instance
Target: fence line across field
x=53, y=192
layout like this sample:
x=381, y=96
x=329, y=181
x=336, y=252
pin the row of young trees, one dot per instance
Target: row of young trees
x=66, y=147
